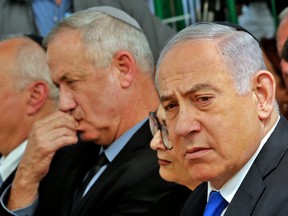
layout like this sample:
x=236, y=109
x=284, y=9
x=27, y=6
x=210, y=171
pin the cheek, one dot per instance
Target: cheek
x=179, y=152
x=236, y=147
x=88, y=101
x=13, y=109
x=12, y=101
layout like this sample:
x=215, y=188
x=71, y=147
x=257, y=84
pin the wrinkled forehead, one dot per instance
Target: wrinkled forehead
x=192, y=68
x=189, y=58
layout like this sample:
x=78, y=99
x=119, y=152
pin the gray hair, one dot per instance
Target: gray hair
x=31, y=65
x=283, y=14
x=240, y=51
x=103, y=35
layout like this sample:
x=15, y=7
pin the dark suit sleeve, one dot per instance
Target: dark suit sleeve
x=196, y=202
x=130, y=184
x=5, y=188
x=170, y=203
x=3, y=211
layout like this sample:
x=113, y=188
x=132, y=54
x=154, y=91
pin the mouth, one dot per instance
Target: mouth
x=79, y=125
x=163, y=162
x=197, y=153
x=78, y=128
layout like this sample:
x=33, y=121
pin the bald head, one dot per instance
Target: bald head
x=27, y=93
x=10, y=49
x=25, y=60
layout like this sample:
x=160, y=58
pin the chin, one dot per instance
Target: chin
x=85, y=137
x=90, y=137
x=166, y=176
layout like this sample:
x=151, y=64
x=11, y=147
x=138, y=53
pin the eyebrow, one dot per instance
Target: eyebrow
x=61, y=79
x=193, y=89
x=64, y=77
x=68, y=75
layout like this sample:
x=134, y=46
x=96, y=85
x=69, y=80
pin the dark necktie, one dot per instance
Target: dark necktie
x=216, y=204
x=101, y=161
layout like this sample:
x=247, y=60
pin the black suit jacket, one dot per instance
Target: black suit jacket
x=130, y=185
x=170, y=204
x=264, y=190
x=7, y=182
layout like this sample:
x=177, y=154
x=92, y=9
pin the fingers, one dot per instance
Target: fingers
x=56, y=120
x=47, y=136
x=54, y=132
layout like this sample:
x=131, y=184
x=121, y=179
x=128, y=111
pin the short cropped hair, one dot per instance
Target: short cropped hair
x=31, y=65
x=103, y=36
x=240, y=51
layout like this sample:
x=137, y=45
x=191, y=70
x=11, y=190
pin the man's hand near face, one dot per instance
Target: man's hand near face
x=47, y=136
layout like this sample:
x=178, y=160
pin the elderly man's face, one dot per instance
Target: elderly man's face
x=13, y=100
x=214, y=130
x=89, y=94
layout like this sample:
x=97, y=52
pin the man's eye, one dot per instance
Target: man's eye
x=169, y=106
x=203, y=99
x=70, y=82
x=57, y=85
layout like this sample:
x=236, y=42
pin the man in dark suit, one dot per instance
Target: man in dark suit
x=224, y=122
x=101, y=62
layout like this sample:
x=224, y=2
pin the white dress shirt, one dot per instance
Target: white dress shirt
x=10, y=162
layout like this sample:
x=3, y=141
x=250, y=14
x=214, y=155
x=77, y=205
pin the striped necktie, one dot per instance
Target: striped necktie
x=101, y=161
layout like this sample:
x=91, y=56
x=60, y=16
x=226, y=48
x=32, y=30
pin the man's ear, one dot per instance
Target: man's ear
x=38, y=95
x=264, y=90
x=126, y=65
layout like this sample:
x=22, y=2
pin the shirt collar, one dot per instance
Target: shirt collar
x=113, y=150
x=10, y=162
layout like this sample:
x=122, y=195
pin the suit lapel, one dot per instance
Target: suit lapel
x=253, y=184
x=108, y=179
x=247, y=195
x=77, y=159
x=86, y=160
